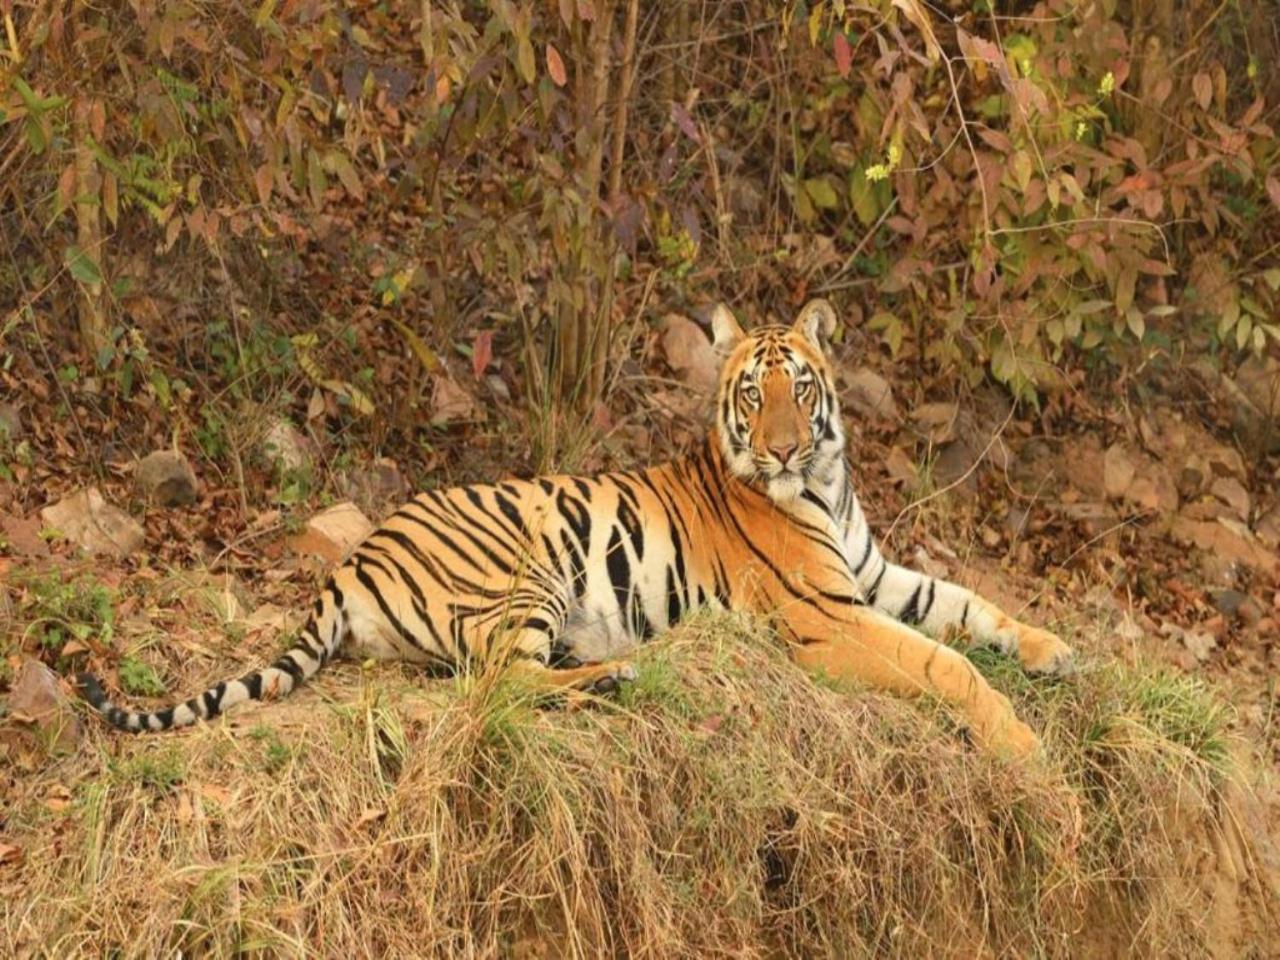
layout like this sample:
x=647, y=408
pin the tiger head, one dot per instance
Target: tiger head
x=777, y=414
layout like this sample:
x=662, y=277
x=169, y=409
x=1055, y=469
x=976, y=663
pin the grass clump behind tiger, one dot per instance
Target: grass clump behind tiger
x=723, y=803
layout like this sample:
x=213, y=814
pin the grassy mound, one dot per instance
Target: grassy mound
x=726, y=804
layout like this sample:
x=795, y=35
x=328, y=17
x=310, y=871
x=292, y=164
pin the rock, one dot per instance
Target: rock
x=1083, y=461
x=902, y=469
x=936, y=421
x=37, y=697
x=1256, y=402
x=1226, y=539
x=23, y=536
x=870, y=395
x=1199, y=643
x=690, y=354
x=955, y=465
x=1193, y=476
x=10, y=422
x=1153, y=489
x=450, y=402
x=1233, y=603
x=1268, y=527
x=375, y=487
x=86, y=519
x=1118, y=469
x=166, y=477
x=333, y=533
x=1232, y=492
x=284, y=446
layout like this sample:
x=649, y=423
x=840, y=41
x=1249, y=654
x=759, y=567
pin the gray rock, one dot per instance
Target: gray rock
x=870, y=395
x=284, y=446
x=166, y=478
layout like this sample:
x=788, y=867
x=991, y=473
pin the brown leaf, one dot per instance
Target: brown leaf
x=1202, y=87
x=10, y=853
x=555, y=66
x=481, y=353
x=1273, y=190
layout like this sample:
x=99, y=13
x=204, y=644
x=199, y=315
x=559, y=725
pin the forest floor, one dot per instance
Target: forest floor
x=1134, y=519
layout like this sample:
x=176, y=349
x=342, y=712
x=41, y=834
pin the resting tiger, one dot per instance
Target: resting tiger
x=563, y=575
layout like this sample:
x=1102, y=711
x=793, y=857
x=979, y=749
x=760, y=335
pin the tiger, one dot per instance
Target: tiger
x=559, y=578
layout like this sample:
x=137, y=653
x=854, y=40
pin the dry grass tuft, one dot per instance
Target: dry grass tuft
x=725, y=805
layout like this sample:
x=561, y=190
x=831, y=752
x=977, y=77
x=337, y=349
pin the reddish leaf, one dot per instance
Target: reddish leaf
x=844, y=54
x=481, y=353
x=555, y=66
x=685, y=122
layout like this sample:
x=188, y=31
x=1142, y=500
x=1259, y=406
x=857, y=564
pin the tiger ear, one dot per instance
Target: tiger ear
x=817, y=321
x=726, y=333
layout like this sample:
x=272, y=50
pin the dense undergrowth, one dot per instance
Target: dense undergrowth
x=236, y=201
x=725, y=805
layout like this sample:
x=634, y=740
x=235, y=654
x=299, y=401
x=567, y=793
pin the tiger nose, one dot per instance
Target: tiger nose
x=782, y=451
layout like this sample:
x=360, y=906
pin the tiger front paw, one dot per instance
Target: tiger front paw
x=613, y=675
x=1040, y=651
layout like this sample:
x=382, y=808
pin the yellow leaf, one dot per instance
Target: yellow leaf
x=525, y=60
x=426, y=356
x=815, y=23
x=914, y=12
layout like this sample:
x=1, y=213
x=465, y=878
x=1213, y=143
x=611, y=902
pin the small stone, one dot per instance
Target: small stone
x=1256, y=407
x=10, y=422
x=333, y=533
x=936, y=421
x=1233, y=603
x=37, y=697
x=450, y=402
x=1118, y=470
x=1153, y=489
x=284, y=446
x=1226, y=539
x=376, y=486
x=23, y=536
x=956, y=465
x=1232, y=492
x=166, y=477
x=1268, y=527
x=86, y=519
x=690, y=354
x=870, y=395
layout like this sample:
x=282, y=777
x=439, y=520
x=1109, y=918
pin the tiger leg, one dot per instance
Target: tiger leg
x=595, y=677
x=937, y=605
x=874, y=649
x=526, y=649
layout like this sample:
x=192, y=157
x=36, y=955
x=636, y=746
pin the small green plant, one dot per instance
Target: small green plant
x=139, y=679
x=59, y=610
x=276, y=752
x=160, y=770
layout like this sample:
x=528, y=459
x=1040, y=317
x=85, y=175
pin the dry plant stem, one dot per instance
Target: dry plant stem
x=90, y=305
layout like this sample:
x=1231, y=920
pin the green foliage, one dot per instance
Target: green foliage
x=1022, y=197
x=59, y=610
x=160, y=769
x=139, y=679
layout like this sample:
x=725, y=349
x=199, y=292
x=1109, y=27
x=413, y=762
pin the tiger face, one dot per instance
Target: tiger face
x=777, y=414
